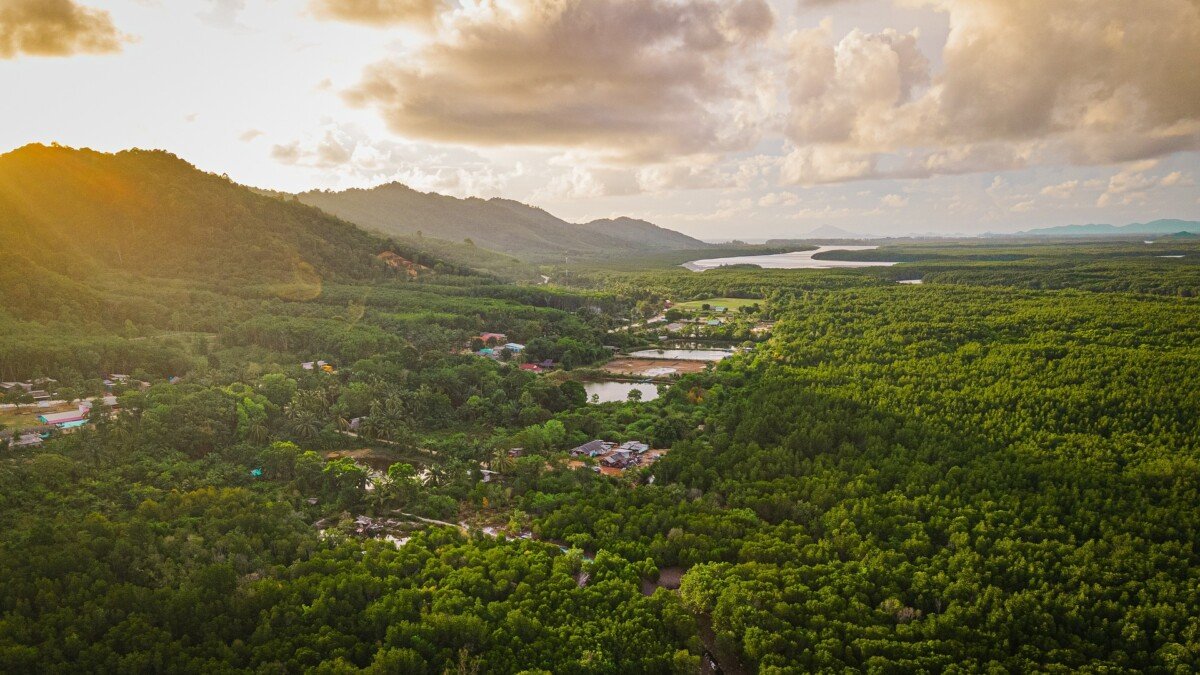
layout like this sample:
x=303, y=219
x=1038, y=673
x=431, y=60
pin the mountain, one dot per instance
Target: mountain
x=1133, y=229
x=149, y=213
x=644, y=233
x=820, y=233
x=498, y=224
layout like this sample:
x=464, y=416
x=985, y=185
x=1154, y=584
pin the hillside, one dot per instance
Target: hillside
x=1133, y=229
x=80, y=212
x=497, y=224
x=644, y=233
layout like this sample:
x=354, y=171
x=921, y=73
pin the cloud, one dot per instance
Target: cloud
x=353, y=158
x=814, y=165
x=55, y=28
x=778, y=199
x=223, y=13
x=586, y=183
x=1062, y=190
x=334, y=149
x=378, y=12
x=1022, y=83
x=634, y=80
x=249, y=135
x=894, y=201
x=1132, y=184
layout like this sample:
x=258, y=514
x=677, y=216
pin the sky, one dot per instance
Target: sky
x=722, y=119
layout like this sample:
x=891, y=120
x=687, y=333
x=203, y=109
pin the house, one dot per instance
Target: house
x=489, y=338
x=39, y=395
x=516, y=452
x=675, y=327
x=514, y=347
x=547, y=364
x=490, y=476
x=720, y=310
x=714, y=322
x=592, y=448
x=118, y=377
x=635, y=447
x=619, y=459
x=66, y=420
x=531, y=367
x=308, y=365
x=487, y=352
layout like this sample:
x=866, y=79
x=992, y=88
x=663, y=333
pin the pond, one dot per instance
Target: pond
x=683, y=354
x=790, y=261
x=610, y=392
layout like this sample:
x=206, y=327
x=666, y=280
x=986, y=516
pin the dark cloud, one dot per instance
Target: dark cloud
x=636, y=78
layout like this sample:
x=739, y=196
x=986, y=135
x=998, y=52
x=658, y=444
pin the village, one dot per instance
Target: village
x=31, y=412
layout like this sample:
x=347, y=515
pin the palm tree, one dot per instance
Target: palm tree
x=258, y=433
x=306, y=427
x=501, y=462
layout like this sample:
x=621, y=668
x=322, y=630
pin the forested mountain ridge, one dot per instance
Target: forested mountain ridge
x=1154, y=227
x=637, y=230
x=150, y=213
x=498, y=224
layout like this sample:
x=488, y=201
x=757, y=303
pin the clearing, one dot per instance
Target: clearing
x=728, y=303
x=653, y=368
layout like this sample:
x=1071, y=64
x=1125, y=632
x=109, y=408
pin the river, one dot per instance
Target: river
x=799, y=260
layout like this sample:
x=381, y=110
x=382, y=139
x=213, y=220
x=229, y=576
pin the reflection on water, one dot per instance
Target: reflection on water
x=683, y=354
x=789, y=261
x=610, y=392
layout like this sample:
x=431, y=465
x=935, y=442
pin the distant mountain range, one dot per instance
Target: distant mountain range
x=1156, y=227
x=822, y=233
x=497, y=224
x=832, y=232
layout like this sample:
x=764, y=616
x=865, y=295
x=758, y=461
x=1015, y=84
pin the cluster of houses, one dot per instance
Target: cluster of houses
x=615, y=458
x=318, y=365
x=50, y=422
x=74, y=418
x=494, y=344
x=37, y=389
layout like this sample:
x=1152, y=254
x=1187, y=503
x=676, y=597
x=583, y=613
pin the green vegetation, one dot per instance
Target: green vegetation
x=997, y=470
x=513, y=228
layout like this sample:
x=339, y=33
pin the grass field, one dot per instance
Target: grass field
x=26, y=417
x=728, y=303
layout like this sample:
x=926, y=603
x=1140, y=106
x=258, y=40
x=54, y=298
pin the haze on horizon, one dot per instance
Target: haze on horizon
x=721, y=119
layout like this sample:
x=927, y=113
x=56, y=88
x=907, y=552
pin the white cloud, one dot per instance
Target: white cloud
x=1062, y=190
x=1022, y=83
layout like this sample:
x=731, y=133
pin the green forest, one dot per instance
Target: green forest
x=309, y=463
